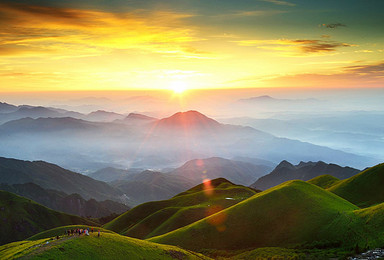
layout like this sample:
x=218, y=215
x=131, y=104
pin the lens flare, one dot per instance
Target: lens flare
x=218, y=217
x=208, y=189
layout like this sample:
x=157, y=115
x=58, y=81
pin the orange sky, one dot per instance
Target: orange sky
x=80, y=45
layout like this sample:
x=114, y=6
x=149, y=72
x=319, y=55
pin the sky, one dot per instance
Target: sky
x=104, y=45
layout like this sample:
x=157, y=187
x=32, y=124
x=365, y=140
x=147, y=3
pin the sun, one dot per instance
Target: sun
x=178, y=87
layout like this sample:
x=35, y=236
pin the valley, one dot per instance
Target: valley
x=214, y=191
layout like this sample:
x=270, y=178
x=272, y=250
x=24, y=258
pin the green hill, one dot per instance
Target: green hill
x=61, y=231
x=324, y=181
x=107, y=246
x=21, y=218
x=289, y=214
x=159, y=217
x=364, y=189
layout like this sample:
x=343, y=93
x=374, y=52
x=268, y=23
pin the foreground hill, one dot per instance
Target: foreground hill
x=150, y=186
x=305, y=171
x=159, y=217
x=108, y=246
x=21, y=218
x=364, y=189
x=324, y=181
x=292, y=213
x=51, y=176
x=60, y=201
x=235, y=171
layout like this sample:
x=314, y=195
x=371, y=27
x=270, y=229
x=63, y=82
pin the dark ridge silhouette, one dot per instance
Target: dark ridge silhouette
x=305, y=171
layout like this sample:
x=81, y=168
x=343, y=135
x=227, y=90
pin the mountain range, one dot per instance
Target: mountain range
x=80, y=145
x=268, y=99
x=352, y=131
x=71, y=204
x=142, y=186
x=52, y=177
x=111, y=174
x=305, y=171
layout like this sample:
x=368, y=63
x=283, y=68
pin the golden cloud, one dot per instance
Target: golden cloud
x=304, y=46
x=26, y=28
x=365, y=75
x=280, y=2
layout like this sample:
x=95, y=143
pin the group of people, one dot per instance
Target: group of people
x=80, y=231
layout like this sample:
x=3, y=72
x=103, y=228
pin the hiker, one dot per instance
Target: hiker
x=98, y=233
x=86, y=232
x=92, y=230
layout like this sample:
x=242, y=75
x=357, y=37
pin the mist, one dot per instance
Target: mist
x=339, y=126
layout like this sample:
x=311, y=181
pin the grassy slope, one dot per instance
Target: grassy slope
x=324, y=181
x=267, y=253
x=155, y=218
x=271, y=253
x=60, y=231
x=292, y=213
x=20, y=218
x=364, y=189
x=108, y=246
x=372, y=223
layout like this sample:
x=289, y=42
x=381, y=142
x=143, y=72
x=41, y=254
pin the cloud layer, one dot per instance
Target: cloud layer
x=334, y=25
x=295, y=47
x=39, y=29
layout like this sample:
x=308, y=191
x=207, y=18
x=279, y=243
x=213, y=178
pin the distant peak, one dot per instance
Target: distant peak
x=189, y=113
x=264, y=97
x=191, y=118
x=139, y=116
x=321, y=163
x=101, y=112
x=302, y=164
x=285, y=164
x=28, y=108
x=259, y=98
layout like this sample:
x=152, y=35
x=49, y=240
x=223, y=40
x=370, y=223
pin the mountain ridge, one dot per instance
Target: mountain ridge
x=215, y=167
x=51, y=176
x=303, y=171
x=72, y=204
